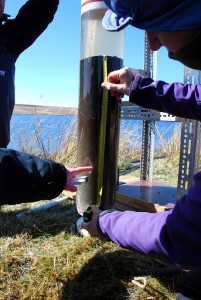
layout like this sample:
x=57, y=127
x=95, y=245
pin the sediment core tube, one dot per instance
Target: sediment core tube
x=89, y=114
x=97, y=43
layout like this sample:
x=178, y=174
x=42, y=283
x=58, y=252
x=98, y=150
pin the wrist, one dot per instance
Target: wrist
x=104, y=212
x=134, y=86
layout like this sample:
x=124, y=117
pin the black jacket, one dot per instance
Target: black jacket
x=23, y=177
x=27, y=178
x=15, y=36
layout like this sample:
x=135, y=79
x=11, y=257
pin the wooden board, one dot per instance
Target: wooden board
x=145, y=196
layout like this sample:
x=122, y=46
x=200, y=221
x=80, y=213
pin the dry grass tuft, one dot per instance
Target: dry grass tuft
x=42, y=257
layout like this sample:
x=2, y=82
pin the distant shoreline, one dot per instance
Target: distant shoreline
x=45, y=110
x=52, y=110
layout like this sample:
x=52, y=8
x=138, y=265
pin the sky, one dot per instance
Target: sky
x=47, y=73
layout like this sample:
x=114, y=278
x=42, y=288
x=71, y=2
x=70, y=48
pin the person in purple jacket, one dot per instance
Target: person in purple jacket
x=172, y=236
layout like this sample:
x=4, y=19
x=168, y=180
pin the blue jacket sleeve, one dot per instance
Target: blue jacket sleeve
x=27, y=178
x=182, y=100
x=172, y=236
x=31, y=20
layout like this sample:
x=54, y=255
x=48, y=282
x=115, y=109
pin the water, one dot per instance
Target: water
x=96, y=40
x=163, y=132
x=48, y=131
x=52, y=129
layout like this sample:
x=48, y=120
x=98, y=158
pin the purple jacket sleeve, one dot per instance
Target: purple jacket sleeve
x=173, y=236
x=136, y=231
x=182, y=100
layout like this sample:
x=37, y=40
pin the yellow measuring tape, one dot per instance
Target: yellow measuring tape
x=88, y=215
x=102, y=136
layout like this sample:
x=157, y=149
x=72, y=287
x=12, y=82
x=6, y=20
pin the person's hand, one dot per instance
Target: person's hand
x=71, y=173
x=119, y=82
x=92, y=226
x=169, y=206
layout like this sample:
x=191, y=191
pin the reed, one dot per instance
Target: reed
x=171, y=144
x=61, y=145
x=44, y=140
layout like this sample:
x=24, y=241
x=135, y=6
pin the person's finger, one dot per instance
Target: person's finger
x=104, y=85
x=72, y=188
x=85, y=225
x=116, y=95
x=114, y=76
x=169, y=206
x=118, y=88
x=96, y=211
x=81, y=170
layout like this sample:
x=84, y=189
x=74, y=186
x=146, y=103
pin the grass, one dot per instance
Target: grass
x=43, y=257
x=165, y=170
